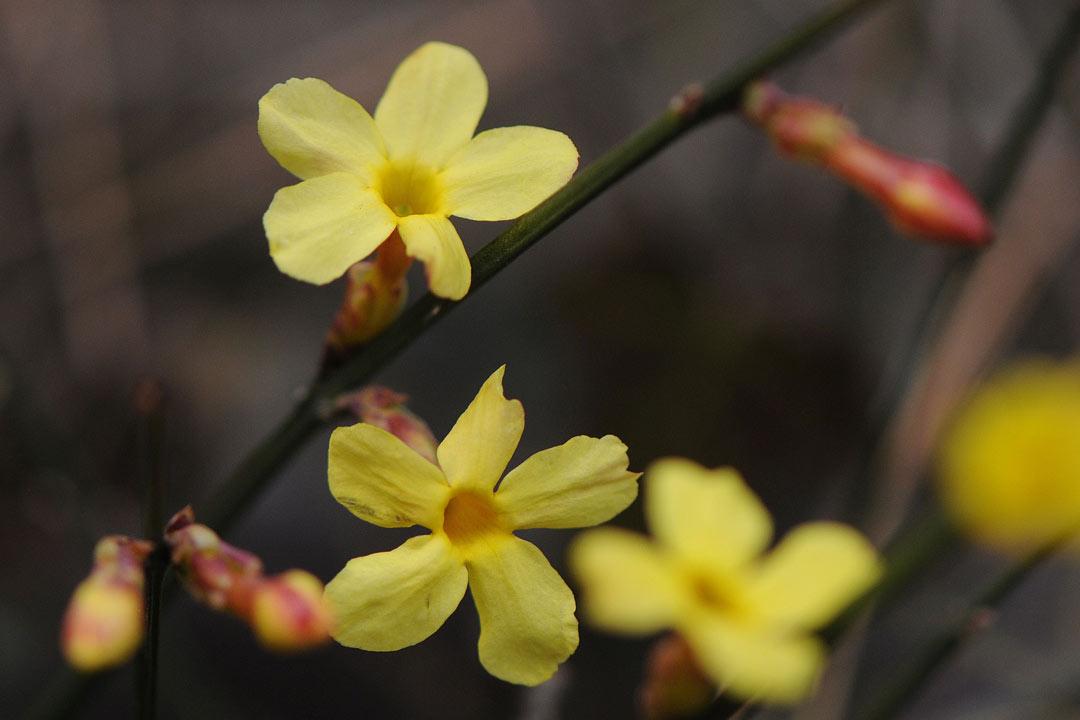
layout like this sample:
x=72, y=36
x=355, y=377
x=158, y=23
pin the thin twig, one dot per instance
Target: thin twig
x=979, y=615
x=150, y=442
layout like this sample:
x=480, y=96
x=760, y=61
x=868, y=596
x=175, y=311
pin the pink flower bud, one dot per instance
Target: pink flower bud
x=104, y=622
x=920, y=198
x=384, y=408
x=288, y=612
x=674, y=684
x=375, y=294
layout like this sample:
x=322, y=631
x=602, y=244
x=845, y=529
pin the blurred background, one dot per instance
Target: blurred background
x=721, y=303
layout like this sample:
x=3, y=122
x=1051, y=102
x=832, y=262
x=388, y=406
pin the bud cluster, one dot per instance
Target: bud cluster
x=375, y=294
x=920, y=198
x=286, y=611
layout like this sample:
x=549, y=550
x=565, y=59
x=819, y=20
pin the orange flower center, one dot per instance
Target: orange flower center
x=471, y=517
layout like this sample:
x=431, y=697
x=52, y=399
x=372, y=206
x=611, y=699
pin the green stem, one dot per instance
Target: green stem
x=723, y=95
x=910, y=681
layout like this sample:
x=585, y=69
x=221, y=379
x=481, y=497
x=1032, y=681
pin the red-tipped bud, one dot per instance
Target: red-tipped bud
x=375, y=294
x=104, y=622
x=920, y=198
x=384, y=408
x=286, y=612
x=675, y=686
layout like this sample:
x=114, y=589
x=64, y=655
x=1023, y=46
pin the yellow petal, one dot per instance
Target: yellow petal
x=710, y=517
x=312, y=130
x=628, y=585
x=432, y=240
x=320, y=227
x=527, y=623
x=478, y=447
x=432, y=105
x=382, y=480
x=753, y=665
x=391, y=600
x=816, y=571
x=505, y=172
x=579, y=483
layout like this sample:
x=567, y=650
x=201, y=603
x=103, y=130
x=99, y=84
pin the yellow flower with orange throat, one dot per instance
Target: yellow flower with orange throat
x=400, y=175
x=390, y=600
x=747, y=615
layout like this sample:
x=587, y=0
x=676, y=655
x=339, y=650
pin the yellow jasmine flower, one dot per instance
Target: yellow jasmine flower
x=391, y=600
x=1009, y=466
x=408, y=169
x=747, y=617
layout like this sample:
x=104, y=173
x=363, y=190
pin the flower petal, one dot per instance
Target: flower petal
x=312, y=130
x=707, y=516
x=505, y=172
x=432, y=105
x=432, y=240
x=628, y=585
x=320, y=227
x=812, y=574
x=527, y=623
x=391, y=600
x=382, y=480
x=478, y=447
x=753, y=665
x=579, y=483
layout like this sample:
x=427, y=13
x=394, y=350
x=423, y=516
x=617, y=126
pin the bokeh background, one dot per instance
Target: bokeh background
x=721, y=303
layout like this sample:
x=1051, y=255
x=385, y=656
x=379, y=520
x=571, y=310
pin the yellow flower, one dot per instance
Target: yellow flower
x=410, y=168
x=748, y=618
x=1009, y=466
x=391, y=600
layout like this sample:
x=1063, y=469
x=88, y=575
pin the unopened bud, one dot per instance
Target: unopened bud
x=384, y=408
x=920, y=198
x=104, y=622
x=674, y=686
x=375, y=294
x=288, y=612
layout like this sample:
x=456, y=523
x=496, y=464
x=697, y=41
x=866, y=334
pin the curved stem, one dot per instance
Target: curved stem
x=902, y=691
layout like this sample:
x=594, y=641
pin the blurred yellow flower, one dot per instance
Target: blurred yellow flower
x=391, y=600
x=747, y=617
x=1009, y=466
x=410, y=168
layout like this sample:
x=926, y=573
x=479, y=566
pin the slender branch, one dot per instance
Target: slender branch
x=67, y=688
x=150, y=411
x=979, y=615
